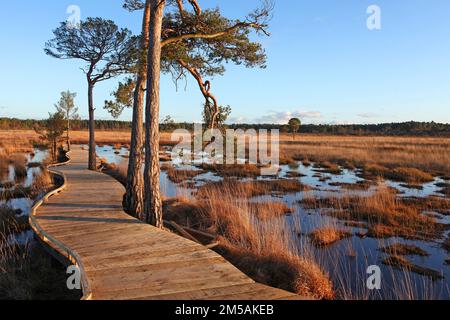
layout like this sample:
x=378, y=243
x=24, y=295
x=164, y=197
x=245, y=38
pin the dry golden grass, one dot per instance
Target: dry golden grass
x=179, y=176
x=254, y=237
x=430, y=204
x=28, y=272
x=119, y=172
x=402, y=249
x=11, y=222
x=327, y=236
x=446, y=244
x=282, y=269
x=22, y=140
x=17, y=141
x=385, y=214
x=250, y=189
x=42, y=182
x=445, y=189
x=428, y=154
x=233, y=170
x=424, y=153
x=402, y=264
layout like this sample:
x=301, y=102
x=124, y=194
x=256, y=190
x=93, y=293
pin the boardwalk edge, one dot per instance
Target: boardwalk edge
x=48, y=239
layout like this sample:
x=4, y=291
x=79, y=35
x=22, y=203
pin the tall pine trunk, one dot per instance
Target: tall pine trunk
x=92, y=165
x=68, y=132
x=134, y=196
x=152, y=196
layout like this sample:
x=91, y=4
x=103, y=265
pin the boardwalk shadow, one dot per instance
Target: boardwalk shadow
x=83, y=205
x=90, y=219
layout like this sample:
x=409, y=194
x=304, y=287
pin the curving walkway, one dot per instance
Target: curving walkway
x=122, y=258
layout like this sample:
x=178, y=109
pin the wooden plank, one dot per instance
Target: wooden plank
x=246, y=291
x=170, y=292
x=122, y=258
x=139, y=259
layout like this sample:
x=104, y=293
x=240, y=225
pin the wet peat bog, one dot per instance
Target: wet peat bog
x=414, y=265
x=27, y=270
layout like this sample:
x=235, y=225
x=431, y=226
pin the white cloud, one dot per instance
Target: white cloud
x=339, y=122
x=237, y=120
x=277, y=117
x=284, y=117
x=368, y=115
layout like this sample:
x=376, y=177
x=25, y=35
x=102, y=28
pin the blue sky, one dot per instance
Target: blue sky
x=324, y=65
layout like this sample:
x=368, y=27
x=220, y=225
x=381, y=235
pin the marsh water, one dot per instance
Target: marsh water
x=10, y=182
x=347, y=260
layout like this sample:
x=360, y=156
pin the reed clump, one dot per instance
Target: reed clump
x=402, y=264
x=179, y=176
x=385, y=214
x=233, y=170
x=249, y=189
x=28, y=272
x=375, y=154
x=402, y=249
x=11, y=221
x=255, y=238
x=327, y=236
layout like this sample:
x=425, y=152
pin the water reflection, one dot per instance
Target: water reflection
x=347, y=260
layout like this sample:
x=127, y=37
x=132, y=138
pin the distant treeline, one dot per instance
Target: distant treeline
x=395, y=129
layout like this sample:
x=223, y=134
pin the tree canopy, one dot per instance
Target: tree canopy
x=108, y=50
x=200, y=43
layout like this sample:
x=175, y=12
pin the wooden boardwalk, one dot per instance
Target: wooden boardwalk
x=122, y=258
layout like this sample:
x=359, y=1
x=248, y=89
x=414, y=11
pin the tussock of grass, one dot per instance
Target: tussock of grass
x=165, y=157
x=286, y=159
x=294, y=174
x=178, y=176
x=385, y=215
x=355, y=224
x=431, y=203
x=327, y=236
x=28, y=272
x=16, y=143
x=4, y=162
x=185, y=213
x=7, y=185
x=445, y=188
x=252, y=236
x=374, y=171
x=11, y=222
x=409, y=175
x=328, y=167
x=233, y=170
x=283, y=270
x=253, y=188
x=118, y=172
x=41, y=183
x=19, y=164
x=268, y=210
x=412, y=176
x=425, y=153
x=402, y=263
x=402, y=249
x=362, y=186
x=446, y=244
